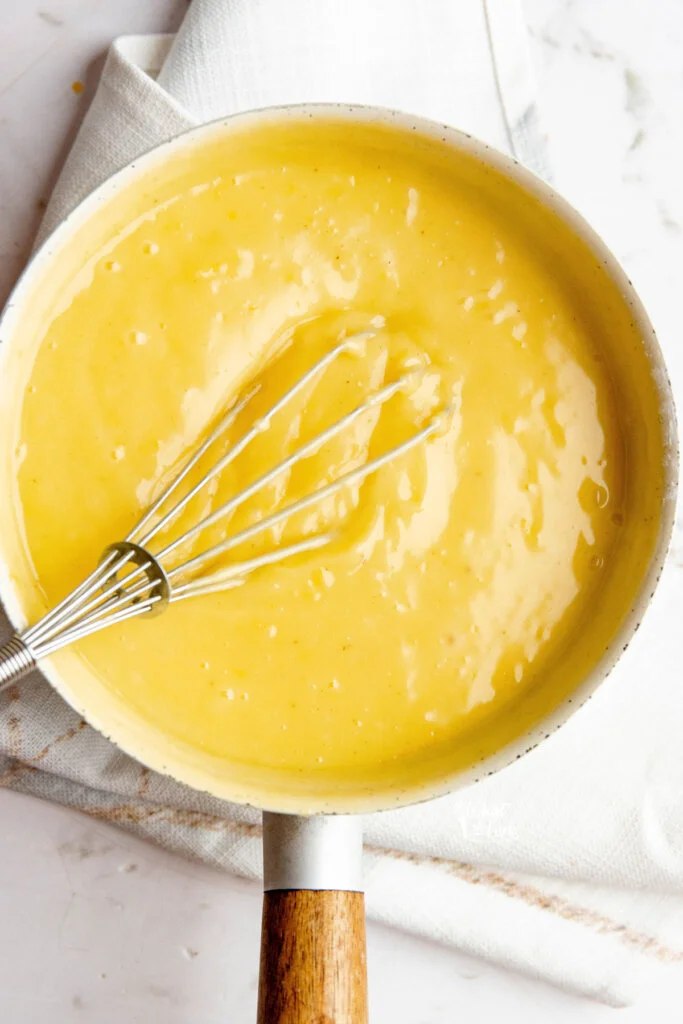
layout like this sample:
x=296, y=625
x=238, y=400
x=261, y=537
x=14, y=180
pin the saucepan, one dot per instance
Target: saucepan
x=313, y=936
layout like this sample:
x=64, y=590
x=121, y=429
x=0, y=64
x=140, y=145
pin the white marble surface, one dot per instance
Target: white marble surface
x=101, y=928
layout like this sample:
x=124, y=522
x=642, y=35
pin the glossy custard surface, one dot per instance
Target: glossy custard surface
x=472, y=582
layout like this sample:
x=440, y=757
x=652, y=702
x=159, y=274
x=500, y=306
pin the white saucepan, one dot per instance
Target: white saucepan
x=313, y=945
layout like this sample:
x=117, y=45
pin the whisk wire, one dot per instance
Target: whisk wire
x=346, y=480
x=309, y=448
x=257, y=428
x=224, y=424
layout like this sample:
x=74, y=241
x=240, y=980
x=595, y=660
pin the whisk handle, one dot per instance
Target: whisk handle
x=16, y=661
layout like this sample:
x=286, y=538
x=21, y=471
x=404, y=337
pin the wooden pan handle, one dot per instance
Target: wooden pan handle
x=313, y=958
x=313, y=936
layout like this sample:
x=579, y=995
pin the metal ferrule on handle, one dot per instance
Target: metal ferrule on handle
x=320, y=852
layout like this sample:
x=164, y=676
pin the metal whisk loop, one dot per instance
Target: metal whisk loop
x=348, y=345
x=131, y=580
x=347, y=479
x=150, y=566
x=309, y=448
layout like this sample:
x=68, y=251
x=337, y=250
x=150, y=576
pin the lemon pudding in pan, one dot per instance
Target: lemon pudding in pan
x=471, y=583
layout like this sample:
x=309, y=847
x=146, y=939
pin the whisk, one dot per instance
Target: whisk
x=130, y=580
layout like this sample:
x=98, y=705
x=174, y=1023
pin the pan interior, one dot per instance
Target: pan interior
x=471, y=585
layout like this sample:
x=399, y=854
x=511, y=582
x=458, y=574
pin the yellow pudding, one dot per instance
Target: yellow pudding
x=468, y=586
